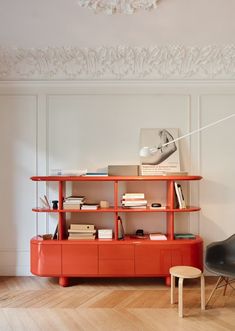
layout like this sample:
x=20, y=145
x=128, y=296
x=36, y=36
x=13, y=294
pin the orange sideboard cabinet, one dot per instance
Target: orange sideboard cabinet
x=130, y=257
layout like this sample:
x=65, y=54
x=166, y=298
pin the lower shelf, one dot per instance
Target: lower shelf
x=112, y=258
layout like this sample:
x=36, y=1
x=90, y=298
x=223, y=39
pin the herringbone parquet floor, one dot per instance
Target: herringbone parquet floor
x=32, y=303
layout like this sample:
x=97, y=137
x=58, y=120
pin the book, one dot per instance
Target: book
x=75, y=198
x=96, y=174
x=81, y=238
x=157, y=236
x=71, y=206
x=81, y=231
x=175, y=173
x=89, y=207
x=185, y=236
x=72, y=172
x=81, y=234
x=181, y=196
x=79, y=227
x=133, y=196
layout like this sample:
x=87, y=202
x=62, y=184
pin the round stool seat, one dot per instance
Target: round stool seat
x=185, y=272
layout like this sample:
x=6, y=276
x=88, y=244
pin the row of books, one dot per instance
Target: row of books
x=134, y=200
x=75, y=172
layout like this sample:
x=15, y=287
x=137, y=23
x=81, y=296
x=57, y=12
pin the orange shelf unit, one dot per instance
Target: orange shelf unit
x=130, y=257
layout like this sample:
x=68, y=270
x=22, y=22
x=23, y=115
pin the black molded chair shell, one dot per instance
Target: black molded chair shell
x=220, y=257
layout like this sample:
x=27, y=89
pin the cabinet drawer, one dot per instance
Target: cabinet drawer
x=116, y=252
x=116, y=267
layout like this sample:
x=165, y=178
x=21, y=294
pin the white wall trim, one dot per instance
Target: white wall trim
x=120, y=62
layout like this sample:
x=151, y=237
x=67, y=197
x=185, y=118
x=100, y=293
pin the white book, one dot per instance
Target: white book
x=157, y=236
x=179, y=197
x=133, y=196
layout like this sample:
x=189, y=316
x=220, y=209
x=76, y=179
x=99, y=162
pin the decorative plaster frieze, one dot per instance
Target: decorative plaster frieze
x=118, y=63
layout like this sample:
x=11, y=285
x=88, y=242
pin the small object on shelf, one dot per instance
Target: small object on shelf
x=46, y=236
x=105, y=233
x=63, y=172
x=157, y=236
x=104, y=204
x=139, y=233
x=55, y=204
x=123, y=170
x=121, y=233
x=90, y=174
x=184, y=236
x=156, y=204
x=55, y=235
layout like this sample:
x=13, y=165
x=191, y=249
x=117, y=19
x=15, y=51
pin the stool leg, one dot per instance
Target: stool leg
x=172, y=288
x=202, y=292
x=180, y=289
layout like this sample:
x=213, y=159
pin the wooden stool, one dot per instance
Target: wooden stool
x=183, y=272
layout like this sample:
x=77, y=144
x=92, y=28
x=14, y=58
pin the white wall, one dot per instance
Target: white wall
x=72, y=125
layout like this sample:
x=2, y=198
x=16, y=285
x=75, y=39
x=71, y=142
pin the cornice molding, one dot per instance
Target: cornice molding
x=118, y=63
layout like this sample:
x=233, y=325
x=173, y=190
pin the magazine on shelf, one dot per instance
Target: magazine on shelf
x=158, y=154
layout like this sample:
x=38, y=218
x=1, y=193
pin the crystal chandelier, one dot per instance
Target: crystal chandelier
x=118, y=6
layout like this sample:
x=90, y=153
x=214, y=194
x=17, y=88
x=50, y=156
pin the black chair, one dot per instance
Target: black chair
x=220, y=259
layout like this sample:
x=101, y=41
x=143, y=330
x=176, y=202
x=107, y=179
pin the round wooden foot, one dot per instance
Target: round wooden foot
x=168, y=281
x=64, y=281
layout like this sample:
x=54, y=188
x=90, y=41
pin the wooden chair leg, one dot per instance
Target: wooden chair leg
x=202, y=292
x=226, y=279
x=172, y=288
x=216, y=286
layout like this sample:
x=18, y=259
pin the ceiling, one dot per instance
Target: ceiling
x=56, y=23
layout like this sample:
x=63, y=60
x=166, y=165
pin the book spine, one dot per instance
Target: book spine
x=181, y=196
x=178, y=194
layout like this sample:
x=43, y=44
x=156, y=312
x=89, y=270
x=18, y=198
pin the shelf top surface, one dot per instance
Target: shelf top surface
x=113, y=178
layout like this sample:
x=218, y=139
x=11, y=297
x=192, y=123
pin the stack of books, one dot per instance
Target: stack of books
x=81, y=232
x=73, y=202
x=134, y=200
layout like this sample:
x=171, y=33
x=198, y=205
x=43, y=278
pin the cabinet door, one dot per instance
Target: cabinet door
x=45, y=259
x=147, y=259
x=157, y=259
x=79, y=259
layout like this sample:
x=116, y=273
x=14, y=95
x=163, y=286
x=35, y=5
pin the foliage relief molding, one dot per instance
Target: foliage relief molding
x=159, y=62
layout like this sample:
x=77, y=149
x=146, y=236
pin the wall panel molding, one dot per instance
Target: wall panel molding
x=120, y=62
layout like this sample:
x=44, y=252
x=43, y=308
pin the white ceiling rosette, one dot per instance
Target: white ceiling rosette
x=118, y=6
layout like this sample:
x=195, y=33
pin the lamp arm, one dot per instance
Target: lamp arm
x=197, y=130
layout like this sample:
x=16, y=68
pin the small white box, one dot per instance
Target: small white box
x=105, y=234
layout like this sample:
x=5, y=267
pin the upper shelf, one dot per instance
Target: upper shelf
x=112, y=178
